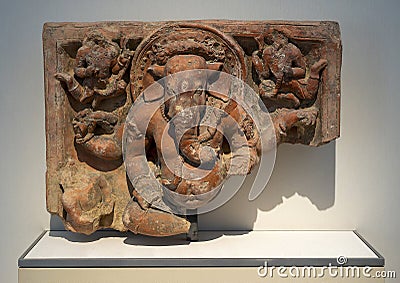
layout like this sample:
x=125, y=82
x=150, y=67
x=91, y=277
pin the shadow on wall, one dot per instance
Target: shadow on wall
x=306, y=171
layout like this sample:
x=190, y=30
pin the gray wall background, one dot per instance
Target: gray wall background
x=352, y=183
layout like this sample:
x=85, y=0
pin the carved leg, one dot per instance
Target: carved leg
x=169, y=179
x=85, y=124
x=259, y=66
x=142, y=219
x=103, y=147
x=310, y=90
x=201, y=182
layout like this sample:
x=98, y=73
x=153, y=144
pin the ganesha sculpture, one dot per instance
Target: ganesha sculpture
x=146, y=121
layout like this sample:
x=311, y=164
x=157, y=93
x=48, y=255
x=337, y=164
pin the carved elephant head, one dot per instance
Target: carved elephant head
x=185, y=94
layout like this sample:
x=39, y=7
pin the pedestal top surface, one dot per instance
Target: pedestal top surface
x=300, y=247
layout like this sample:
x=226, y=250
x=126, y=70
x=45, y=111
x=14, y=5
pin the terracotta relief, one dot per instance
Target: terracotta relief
x=280, y=71
x=145, y=121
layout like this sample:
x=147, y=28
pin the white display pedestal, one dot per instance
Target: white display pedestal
x=218, y=256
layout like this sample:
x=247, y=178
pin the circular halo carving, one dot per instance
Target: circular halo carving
x=184, y=39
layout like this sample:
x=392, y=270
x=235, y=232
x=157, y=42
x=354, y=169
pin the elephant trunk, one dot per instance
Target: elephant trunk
x=186, y=133
x=186, y=126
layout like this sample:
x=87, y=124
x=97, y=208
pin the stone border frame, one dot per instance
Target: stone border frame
x=56, y=35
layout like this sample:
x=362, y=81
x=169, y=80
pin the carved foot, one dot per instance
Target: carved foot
x=287, y=119
x=291, y=101
x=152, y=222
x=307, y=117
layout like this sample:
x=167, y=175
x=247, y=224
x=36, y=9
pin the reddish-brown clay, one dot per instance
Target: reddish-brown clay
x=94, y=72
